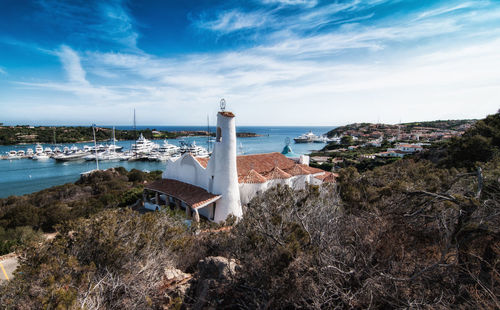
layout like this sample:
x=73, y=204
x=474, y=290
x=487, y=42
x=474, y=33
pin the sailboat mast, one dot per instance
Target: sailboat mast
x=135, y=133
x=114, y=140
x=135, y=128
x=208, y=134
x=95, y=148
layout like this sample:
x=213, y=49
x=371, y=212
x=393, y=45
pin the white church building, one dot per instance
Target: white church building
x=218, y=186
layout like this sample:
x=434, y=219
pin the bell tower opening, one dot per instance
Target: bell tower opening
x=219, y=135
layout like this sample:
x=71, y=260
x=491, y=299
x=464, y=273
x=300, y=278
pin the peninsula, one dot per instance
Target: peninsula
x=20, y=134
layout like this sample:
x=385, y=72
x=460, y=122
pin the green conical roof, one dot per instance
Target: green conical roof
x=288, y=152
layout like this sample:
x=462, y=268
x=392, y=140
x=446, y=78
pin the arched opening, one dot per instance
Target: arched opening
x=219, y=135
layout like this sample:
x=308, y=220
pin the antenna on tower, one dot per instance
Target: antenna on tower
x=135, y=128
x=223, y=104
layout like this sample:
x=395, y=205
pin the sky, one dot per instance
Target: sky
x=275, y=62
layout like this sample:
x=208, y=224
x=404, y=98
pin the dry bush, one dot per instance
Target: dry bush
x=114, y=260
x=409, y=236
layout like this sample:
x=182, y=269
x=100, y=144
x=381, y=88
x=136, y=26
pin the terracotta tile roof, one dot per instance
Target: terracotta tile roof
x=312, y=170
x=203, y=161
x=194, y=196
x=252, y=177
x=298, y=170
x=327, y=177
x=277, y=173
x=263, y=163
x=227, y=114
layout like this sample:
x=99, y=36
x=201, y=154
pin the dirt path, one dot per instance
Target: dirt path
x=8, y=265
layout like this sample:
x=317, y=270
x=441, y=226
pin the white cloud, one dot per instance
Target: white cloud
x=351, y=74
x=307, y=3
x=118, y=24
x=233, y=20
x=263, y=79
x=445, y=10
x=2, y=71
x=77, y=82
x=107, y=21
x=72, y=65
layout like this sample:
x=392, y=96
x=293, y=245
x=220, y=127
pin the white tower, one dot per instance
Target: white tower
x=222, y=168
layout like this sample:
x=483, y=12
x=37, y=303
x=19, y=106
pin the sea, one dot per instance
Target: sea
x=24, y=176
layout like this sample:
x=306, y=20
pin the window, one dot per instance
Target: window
x=219, y=135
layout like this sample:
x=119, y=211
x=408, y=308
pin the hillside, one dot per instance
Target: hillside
x=45, y=134
x=422, y=232
x=430, y=129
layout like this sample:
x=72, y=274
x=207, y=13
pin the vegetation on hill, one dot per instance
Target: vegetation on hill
x=22, y=218
x=48, y=134
x=479, y=144
x=44, y=134
x=421, y=232
x=403, y=127
x=441, y=124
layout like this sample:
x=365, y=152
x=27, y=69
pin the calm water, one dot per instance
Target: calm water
x=18, y=177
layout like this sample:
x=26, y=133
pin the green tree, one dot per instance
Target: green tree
x=346, y=140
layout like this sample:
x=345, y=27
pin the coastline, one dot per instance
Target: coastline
x=148, y=133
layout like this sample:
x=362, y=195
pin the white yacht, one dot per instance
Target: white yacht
x=114, y=148
x=169, y=148
x=29, y=152
x=160, y=156
x=306, y=138
x=196, y=150
x=21, y=153
x=87, y=148
x=144, y=146
x=38, y=149
x=48, y=150
x=12, y=155
x=322, y=139
x=70, y=156
x=126, y=156
x=103, y=156
x=41, y=156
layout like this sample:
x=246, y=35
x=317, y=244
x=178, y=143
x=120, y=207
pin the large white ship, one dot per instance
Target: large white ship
x=312, y=138
x=306, y=138
x=144, y=146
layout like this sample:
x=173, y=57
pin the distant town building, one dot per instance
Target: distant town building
x=401, y=150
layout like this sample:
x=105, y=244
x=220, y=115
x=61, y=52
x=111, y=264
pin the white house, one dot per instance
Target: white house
x=218, y=186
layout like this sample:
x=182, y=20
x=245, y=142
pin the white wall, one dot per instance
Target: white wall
x=222, y=169
x=299, y=181
x=250, y=190
x=188, y=170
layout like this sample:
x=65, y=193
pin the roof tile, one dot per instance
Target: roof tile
x=263, y=163
x=298, y=170
x=203, y=161
x=252, y=177
x=192, y=195
x=277, y=173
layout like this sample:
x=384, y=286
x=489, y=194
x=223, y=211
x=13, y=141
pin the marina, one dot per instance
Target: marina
x=21, y=175
x=310, y=137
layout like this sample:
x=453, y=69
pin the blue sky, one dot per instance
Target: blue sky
x=276, y=62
